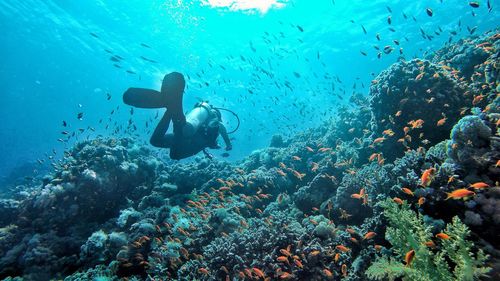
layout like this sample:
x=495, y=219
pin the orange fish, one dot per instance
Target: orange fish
x=298, y=263
x=309, y=149
x=351, y=231
x=362, y=191
x=441, y=121
x=314, y=167
x=379, y=140
x=282, y=259
x=459, y=194
x=409, y=257
x=378, y=248
x=342, y=248
x=259, y=272
x=327, y=273
x=388, y=132
x=285, y=252
x=406, y=130
x=203, y=271
x=407, y=191
x=373, y=156
x=415, y=124
x=298, y=175
x=296, y=158
x=397, y=200
x=369, y=235
x=281, y=173
x=430, y=244
x=398, y=113
x=344, y=270
x=477, y=99
x=337, y=257
x=479, y=185
x=443, y=236
x=285, y=276
x=315, y=253
x=427, y=176
x=356, y=196
x=421, y=201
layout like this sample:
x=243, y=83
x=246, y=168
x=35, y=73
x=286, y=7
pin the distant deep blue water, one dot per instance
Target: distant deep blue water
x=283, y=68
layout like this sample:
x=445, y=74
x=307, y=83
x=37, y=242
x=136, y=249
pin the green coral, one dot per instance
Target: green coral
x=453, y=259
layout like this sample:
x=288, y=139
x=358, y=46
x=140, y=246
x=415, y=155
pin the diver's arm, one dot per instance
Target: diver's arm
x=158, y=138
x=223, y=133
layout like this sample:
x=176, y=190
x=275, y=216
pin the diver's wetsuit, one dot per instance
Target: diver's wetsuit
x=183, y=142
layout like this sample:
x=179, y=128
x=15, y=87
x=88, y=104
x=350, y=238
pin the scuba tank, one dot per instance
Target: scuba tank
x=195, y=118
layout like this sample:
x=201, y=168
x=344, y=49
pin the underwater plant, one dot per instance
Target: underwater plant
x=450, y=258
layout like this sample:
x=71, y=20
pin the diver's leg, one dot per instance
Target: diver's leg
x=158, y=138
x=186, y=147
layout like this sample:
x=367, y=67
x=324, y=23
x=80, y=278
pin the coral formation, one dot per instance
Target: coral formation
x=312, y=207
x=413, y=242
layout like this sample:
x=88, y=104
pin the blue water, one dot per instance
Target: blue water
x=54, y=68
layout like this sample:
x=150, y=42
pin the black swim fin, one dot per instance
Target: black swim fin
x=172, y=90
x=144, y=98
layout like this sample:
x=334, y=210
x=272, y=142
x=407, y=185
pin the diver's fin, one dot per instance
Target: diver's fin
x=170, y=96
x=172, y=88
x=144, y=98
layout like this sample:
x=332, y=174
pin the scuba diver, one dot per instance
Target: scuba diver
x=193, y=132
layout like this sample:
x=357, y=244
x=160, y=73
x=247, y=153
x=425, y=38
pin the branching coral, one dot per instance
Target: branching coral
x=452, y=260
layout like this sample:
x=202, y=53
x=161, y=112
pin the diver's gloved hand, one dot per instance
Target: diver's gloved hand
x=229, y=147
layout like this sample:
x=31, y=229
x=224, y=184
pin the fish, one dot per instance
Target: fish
x=203, y=271
x=327, y=273
x=94, y=35
x=300, y=28
x=64, y=123
x=389, y=20
x=407, y=191
x=479, y=185
x=343, y=269
x=286, y=252
x=409, y=257
x=421, y=201
x=258, y=272
x=474, y=4
x=342, y=248
x=397, y=200
x=461, y=193
x=79, y=116
x=283, y=259
x=369, y=235
x=443, y=236
x=145, y=46
x=364, y=29
x=429, y=12
x=427, y=177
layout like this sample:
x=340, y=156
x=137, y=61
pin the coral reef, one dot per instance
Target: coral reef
x=412, y=240
x=312, y=207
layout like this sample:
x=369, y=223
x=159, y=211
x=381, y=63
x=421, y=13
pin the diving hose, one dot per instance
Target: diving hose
x=235, y=115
